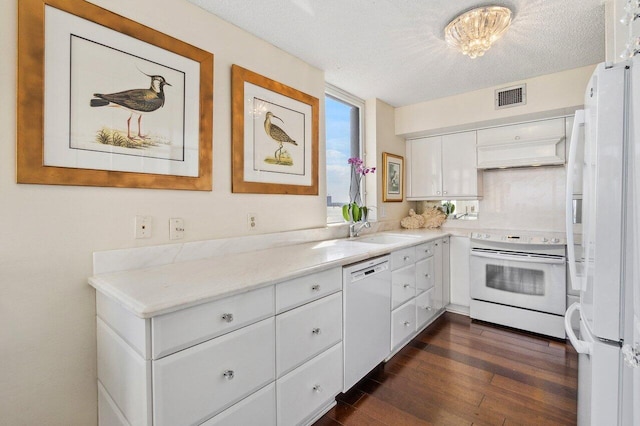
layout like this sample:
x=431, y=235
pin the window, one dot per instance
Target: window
x=343, y=121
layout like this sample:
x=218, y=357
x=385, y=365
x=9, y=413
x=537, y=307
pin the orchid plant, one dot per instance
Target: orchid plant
x=354, y=212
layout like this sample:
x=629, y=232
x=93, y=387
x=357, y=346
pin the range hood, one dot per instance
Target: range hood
x=536, y=143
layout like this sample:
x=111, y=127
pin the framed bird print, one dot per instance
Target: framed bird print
x=275, y=136
x=105, y=101
x=392, y=177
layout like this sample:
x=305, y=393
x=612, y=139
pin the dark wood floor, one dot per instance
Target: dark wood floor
x=459, y=372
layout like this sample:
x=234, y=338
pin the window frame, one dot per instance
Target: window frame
x=346, y=97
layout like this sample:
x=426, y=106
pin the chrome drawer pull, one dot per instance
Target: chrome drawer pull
x=407, y=323
x=317, y=388
x=406, y=258
x=228, y=374
x=227, y=317
x=315, y=287
x=315, y=331
x=406, y=286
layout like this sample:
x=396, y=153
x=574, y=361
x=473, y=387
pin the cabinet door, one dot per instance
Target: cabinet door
x=446, y=271
x=194, y=384
x=459, y=170
x=302, y=393
x=403, y=285
x=438, y=295
x=424, y=157
x=425, y=274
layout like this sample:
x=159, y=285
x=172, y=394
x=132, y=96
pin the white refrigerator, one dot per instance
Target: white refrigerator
x=607, y=270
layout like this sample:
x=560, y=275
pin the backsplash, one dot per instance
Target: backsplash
x=528, y=199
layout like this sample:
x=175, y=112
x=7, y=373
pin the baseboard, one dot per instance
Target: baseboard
x=457, y=309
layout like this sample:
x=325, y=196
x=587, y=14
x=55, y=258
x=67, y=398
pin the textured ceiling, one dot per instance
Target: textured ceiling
x=394, y=50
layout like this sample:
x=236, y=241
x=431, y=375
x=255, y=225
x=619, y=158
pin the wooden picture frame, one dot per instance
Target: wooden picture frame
x=46, y=156
x=392, y=177
x=275, y=136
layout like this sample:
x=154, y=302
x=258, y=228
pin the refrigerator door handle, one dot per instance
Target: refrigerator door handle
x=571, y=252
x=580, y=346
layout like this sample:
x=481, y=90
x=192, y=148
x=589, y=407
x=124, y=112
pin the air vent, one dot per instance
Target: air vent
x=508, y=97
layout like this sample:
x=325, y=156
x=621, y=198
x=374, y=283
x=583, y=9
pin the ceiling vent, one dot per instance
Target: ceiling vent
x=508, y=97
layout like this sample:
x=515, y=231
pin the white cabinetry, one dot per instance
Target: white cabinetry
x=443, y=167
x=417, y=300
x=230, y=361
x=525, y=144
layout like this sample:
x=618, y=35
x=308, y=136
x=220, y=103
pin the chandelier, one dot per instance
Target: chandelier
x=474, y=32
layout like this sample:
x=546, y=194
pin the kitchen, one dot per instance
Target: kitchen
x=49, y=347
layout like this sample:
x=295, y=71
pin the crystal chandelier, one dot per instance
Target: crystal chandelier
x=475, y=31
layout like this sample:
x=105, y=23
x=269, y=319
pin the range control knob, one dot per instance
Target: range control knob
x=545, y=240
x=486, y=236
x=555, y=240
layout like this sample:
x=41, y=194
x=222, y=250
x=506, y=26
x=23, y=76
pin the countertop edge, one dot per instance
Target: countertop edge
x=107, y=285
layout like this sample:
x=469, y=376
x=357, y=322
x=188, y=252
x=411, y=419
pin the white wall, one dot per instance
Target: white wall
x=548, y=95
x=48, y=233
x=381, y=138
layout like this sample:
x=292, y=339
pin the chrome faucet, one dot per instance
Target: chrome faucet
x=355, y=228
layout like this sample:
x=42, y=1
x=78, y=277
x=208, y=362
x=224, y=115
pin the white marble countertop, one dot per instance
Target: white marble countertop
x=161, y=289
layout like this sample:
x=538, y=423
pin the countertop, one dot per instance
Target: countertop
x=162, y=289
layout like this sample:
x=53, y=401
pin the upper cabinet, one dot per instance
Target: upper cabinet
x=443, y=167
x=535, y=143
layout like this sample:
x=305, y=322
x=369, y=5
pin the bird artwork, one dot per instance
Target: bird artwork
x=135, y=101
x=280, y=137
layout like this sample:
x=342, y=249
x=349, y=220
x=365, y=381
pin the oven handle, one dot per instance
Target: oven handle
x=527, y=259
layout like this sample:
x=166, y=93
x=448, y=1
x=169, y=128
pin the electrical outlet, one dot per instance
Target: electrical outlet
x=143, y=227
x=382, y=212
x=252, y=221
x=176, y=228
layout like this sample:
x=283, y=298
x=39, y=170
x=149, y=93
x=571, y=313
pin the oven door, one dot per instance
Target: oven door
x=524, y=280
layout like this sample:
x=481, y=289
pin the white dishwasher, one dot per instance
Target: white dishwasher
x=367, y=317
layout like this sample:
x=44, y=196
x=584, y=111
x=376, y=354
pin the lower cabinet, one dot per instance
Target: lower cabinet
x=307, y=390
x=234, y=361
x=419, y=290
x=257, y=409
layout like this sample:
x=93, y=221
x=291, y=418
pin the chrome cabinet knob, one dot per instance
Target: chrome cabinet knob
x=407, y=323
x=437, y=192
x=406, y=285
x=227, y=317
x=444, y=192
x=317, y=388
x=428, y=308
x=427, y=275
x=315, y=287
x=315, y=331
x=405, y=258
x=229, y=374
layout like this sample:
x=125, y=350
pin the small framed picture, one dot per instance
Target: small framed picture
x=392, y=177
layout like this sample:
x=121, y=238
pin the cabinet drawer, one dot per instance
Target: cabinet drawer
x=403, y=323
x=425, y=250
x=304, y=332
x=401, y=258
x=403, y=285
x=425, y=308
x=306, y=390
x=425, y=274
x=187, y=327
x=256, y=409
x=194, y=384
x=546, y=129
x=298, y=291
